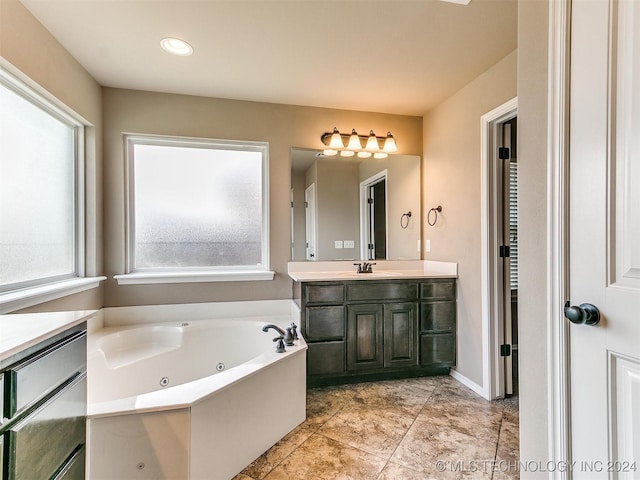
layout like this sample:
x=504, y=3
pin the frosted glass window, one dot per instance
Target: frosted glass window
x=196, y=206
x=37, y=191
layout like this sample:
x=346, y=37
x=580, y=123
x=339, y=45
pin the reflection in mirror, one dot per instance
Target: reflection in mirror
x=353, y=208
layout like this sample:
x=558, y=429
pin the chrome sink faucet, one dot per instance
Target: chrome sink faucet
x=364, y=267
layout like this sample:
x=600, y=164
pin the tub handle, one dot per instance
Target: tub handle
x=280, y=344
x=288, y=337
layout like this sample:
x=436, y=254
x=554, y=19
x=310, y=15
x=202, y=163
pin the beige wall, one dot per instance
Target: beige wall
x=532, y=171
x=31, y=49
x=337, y=205
x=451, y=178
x=281, y=125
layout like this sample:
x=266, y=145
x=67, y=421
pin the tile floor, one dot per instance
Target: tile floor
x=420, y=428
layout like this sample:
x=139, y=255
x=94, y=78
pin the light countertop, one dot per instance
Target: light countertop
x=382, y=270
x=22, y=330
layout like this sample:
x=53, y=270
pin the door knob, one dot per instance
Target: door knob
x=586, y=314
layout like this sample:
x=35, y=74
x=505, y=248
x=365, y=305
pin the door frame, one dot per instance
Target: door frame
x=311, y=222
x=364, y=212
x=493, y=383
x=557, y=214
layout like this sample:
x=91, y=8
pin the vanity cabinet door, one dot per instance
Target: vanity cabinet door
x=365, y=337
x=400, y=334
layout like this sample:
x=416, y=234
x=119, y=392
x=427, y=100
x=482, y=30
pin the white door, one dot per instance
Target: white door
x=605, y=237
x=310, y=222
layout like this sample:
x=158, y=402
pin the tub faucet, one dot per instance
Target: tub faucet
x=275, y=327
x=279, y=338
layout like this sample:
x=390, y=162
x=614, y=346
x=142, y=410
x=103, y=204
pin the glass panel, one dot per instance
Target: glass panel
x=197, y=207
x=37, y=184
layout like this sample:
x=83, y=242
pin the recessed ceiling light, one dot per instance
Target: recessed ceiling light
x=176, y=46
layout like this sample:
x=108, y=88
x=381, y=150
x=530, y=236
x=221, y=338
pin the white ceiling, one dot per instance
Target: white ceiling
x=391, y=56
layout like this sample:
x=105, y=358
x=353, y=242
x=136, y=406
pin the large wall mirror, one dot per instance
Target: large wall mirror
x=353, y=208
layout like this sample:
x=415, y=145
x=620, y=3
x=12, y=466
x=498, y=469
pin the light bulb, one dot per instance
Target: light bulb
x=329, y=152
x=354, y=141
x=336, y=139
x=372, y=143
x=176, y=46
x=389, y=144
x=347, y=153
x=380, y=155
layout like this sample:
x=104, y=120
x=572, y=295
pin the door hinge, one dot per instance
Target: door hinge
x=505, y=251
x=503, y=153
x=371, y=246
x=291, y=204
x=306, y=204
x=505, y=350
x=369, y=201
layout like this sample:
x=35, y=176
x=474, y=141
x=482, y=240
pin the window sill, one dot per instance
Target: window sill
x=148, y=278
x=12, y=301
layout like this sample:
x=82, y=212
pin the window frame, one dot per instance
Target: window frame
x=150, y=275
x=30, y=293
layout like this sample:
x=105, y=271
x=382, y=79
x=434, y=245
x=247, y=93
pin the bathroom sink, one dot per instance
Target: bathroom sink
x=364, y=276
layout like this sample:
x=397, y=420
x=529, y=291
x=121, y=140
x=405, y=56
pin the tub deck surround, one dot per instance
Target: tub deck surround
x=21, y=331
x=382, y=270
x=115, y=350
x=162, y=406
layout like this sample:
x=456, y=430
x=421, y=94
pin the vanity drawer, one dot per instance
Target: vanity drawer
x=31, y=379
x=324, y=323
x=326, y=358
x=74, y=469
x=325, y=294
x=44, y=440
x=438, y=350
x=438, y=316
x=1, y=403
x=376, y=291
x=438, y=289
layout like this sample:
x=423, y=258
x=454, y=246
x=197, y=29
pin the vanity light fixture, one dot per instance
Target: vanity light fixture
x=176, y=46
x=347, y=145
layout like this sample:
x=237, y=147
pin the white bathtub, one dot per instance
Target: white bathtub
x=197, y=395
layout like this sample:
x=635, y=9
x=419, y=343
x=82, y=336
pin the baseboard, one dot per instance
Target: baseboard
x=468, y=383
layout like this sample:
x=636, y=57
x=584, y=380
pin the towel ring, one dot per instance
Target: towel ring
x=435, y=211
x=404, y=216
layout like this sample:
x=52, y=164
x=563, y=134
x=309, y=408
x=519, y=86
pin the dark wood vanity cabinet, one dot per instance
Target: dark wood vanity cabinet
x=438, y=323
x=361, y=328
x=44, y=391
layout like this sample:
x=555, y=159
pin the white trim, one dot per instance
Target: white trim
x=12, y=301
x=468, y=383
x=492, y=373
x=193, y=277
x=131, y=139
x=559, y=429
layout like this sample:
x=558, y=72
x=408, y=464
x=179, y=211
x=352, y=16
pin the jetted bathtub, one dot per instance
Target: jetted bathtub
x=190, y=398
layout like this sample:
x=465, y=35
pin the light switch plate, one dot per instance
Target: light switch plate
x=349, y=244
x=427, y=245
x=338, y=243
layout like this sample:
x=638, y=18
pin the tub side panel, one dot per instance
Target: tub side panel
x=143, y=446
x=235, y=426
